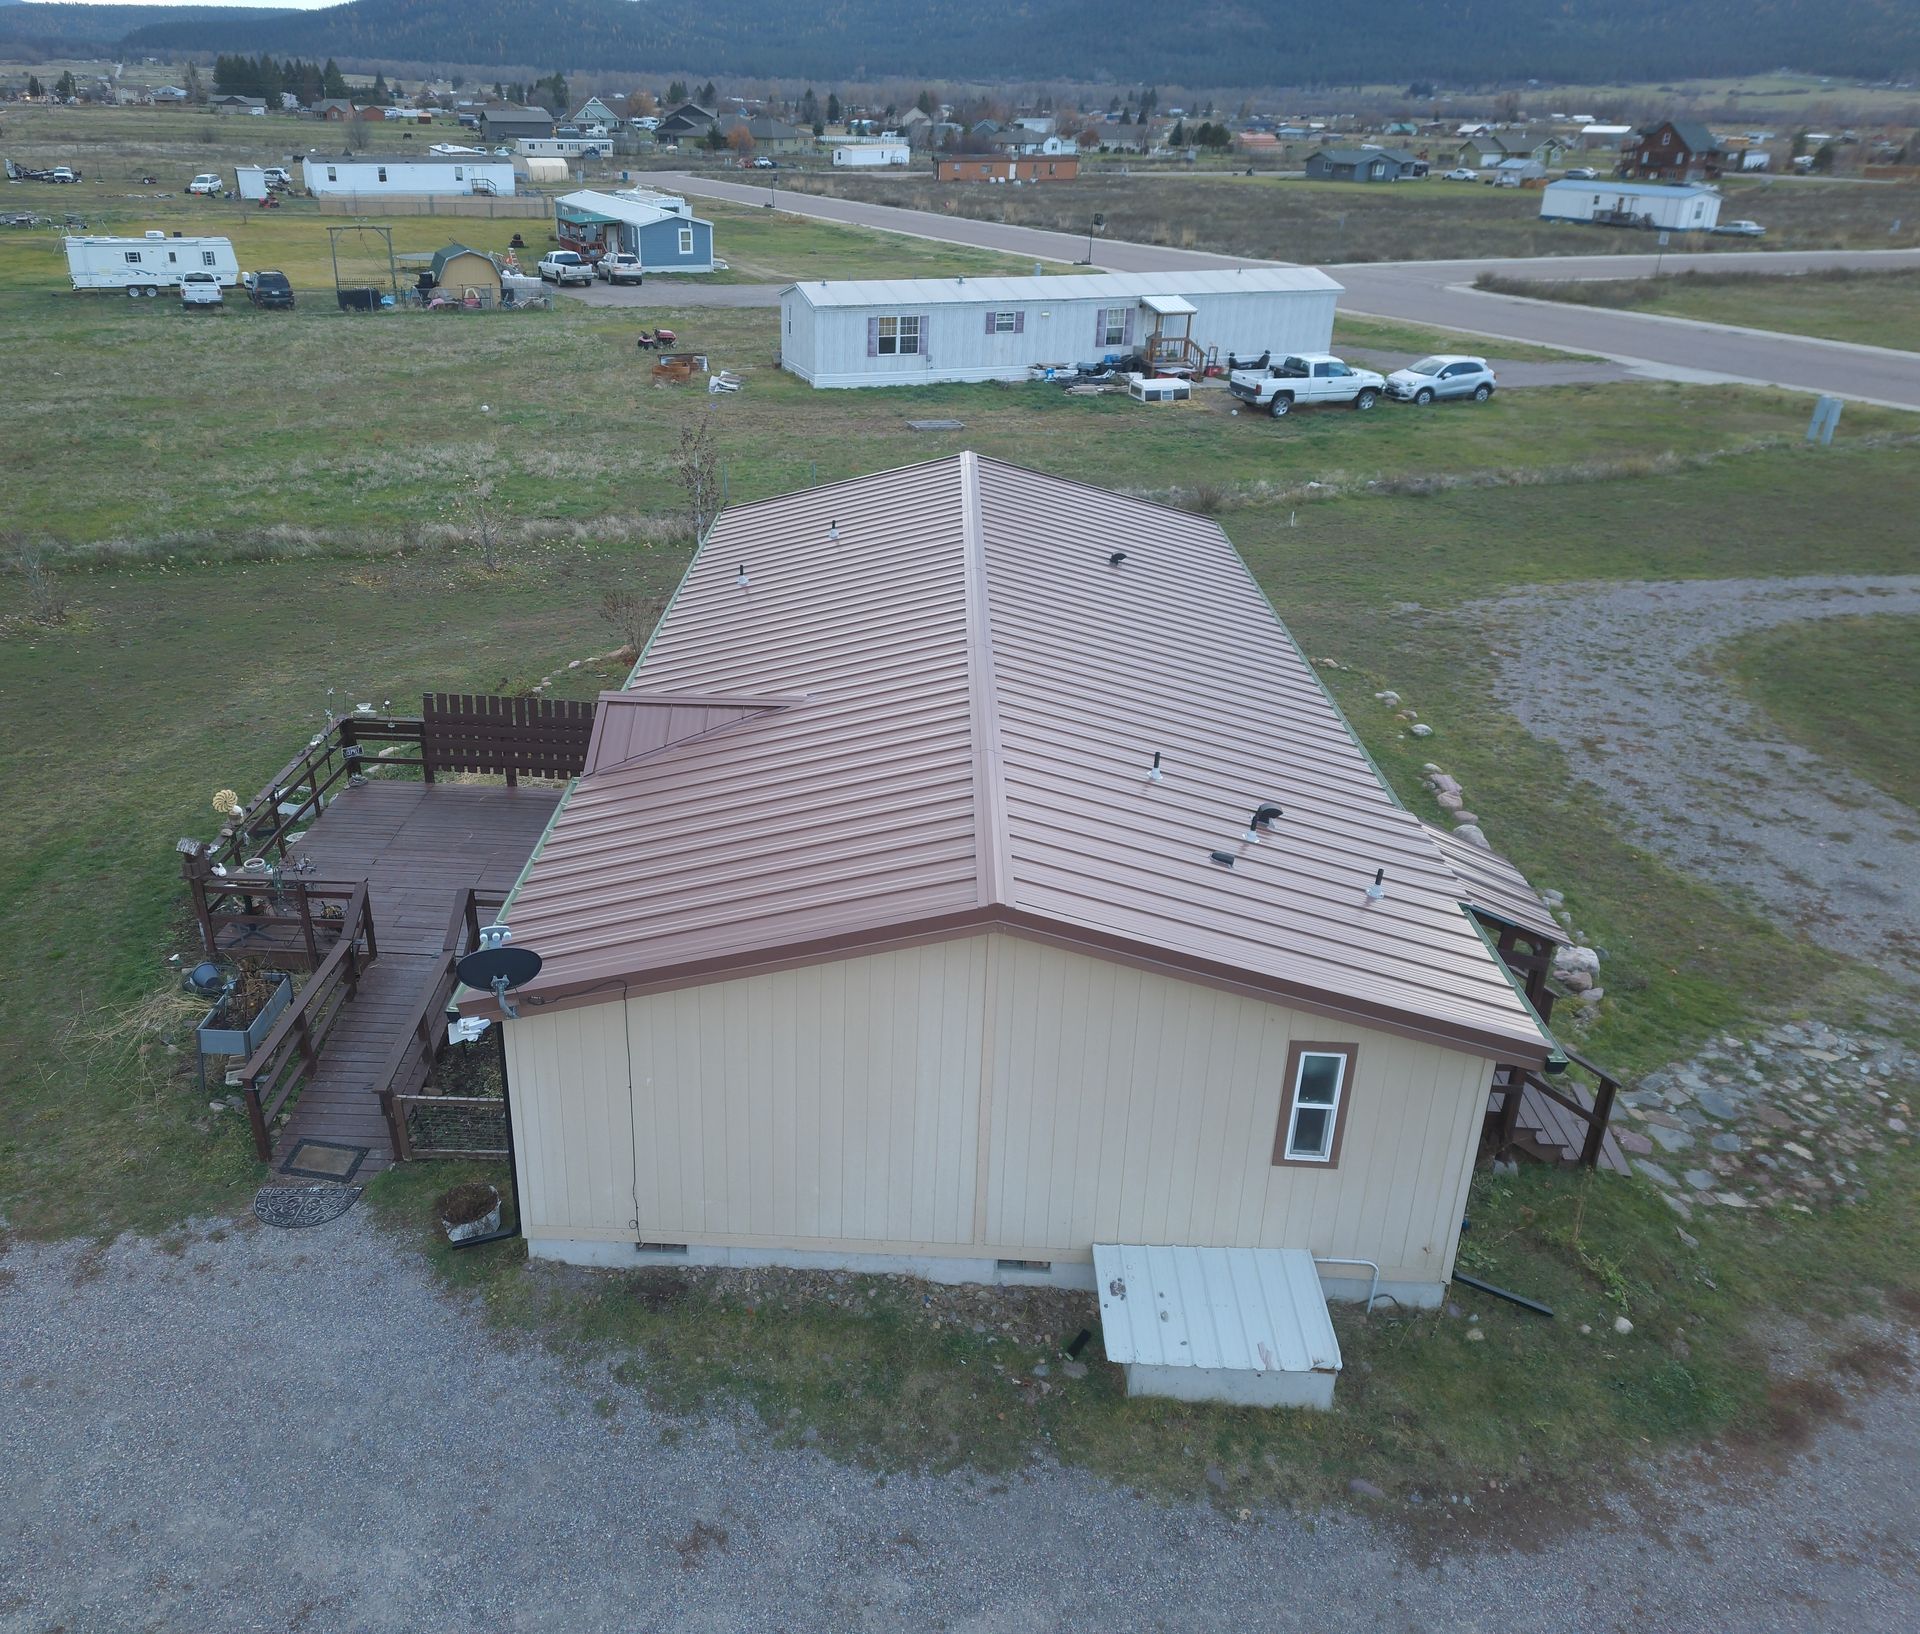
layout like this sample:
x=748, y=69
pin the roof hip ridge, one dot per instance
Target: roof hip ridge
x=993, y=862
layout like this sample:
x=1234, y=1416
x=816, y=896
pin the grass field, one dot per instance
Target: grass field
x=1844, y=688
x=1289, y=219
x=1872, y=308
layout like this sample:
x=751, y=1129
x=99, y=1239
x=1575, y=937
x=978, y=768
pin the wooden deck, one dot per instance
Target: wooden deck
x=1553, y=1134
x=418, y=847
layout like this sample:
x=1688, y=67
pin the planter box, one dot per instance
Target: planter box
x=487, y=1224
x=243, y=1041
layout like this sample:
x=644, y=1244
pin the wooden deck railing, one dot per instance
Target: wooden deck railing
x=290, y=1054
x=1511, y=1082
x=411, y=1064
x=288, y=923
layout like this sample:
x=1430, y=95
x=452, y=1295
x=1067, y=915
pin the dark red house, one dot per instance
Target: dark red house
x=1672, y=152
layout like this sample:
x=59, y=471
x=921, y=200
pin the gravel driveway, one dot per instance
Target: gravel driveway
x=1614, y=674
x=278, y=1430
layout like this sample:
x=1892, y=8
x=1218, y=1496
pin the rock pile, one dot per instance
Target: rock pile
x=1778, y=1121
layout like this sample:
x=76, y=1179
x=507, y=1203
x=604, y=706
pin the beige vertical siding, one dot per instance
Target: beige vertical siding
x=988, y=1096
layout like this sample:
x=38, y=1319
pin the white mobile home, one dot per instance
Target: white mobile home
x=913, y=331
x=1631, y=204
x=149, y=264
x=871, y=155
x=978, y=984
x=411, y=175
x=563, y=147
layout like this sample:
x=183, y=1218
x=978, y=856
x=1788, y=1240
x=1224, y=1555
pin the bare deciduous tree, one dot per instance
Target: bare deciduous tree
x=633, y=614
x=46, y=599
x=479, y=517
x=697, y=465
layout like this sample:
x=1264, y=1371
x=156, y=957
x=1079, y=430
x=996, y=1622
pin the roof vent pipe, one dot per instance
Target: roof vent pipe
x=1153, y=771
x=1378, y=889
x=741, y=578
x=1262, y=816
x=833, y=532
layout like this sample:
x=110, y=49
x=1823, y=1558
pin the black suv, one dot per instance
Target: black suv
x=270, y=289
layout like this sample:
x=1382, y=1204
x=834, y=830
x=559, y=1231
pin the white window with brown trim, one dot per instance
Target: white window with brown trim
x=1313, y=1104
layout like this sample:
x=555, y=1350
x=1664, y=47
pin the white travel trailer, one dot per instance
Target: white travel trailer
x=149, y=264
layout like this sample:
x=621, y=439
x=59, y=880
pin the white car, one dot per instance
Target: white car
x=1583, y=173
x=1444, y=376
x=566, y=267
x=1460, y=173
x=201, y=289
x=621, y=269
x=766, y=164
x=207, y=185
x=645, y=122
x=1304, y=379
x=1741, y=229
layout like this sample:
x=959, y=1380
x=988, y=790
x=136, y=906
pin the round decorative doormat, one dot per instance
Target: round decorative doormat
x=295, y=1207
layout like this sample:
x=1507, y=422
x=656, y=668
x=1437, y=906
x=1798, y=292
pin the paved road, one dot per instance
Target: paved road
x=280, y=1430
x=1438, y=293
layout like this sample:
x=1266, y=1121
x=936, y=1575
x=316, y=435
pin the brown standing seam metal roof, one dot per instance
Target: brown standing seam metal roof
x=943, y=721
x=1496, y=888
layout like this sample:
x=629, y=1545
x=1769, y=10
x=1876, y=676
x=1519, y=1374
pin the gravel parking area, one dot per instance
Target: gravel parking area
x=1614, y=675
x=267, y=1430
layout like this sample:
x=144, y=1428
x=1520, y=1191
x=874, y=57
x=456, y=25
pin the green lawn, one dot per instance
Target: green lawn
x=1871, y=308
x=1845, y=688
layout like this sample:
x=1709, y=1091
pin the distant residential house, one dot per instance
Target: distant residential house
x=1519, y=172
x=1256, y=141
x=595, y=112
x=1039, y=124
x=1484, y=151
x=688, y=122
x=635, y=222
x=1672, y=151
x=507, y=124
x=237, y=104
x=969, y=167
x=1026, y=142
x=415, y=175
x=769, y=135
x=1364, y=165
x=1402, y=127
x=334, y=109
x=1595, y=138
x=1549, y=150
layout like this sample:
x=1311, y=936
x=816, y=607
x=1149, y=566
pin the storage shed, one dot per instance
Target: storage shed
x=973, y=870
x=466, y=274
x=911, y=331
x=666, y=240
x=1631, y=204
x=408, y=175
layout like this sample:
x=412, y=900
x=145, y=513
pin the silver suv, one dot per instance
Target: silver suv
x=1442, y=376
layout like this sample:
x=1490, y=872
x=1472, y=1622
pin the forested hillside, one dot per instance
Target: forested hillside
x=1232, y=42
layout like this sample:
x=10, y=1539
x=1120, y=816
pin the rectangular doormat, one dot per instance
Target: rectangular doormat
x=324, y=1160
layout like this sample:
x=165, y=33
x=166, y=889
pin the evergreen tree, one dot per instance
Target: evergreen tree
x=833, y=107
x=65, y=87
x=380, y=89
x=34, y=88
x=677, y=93
x=196, y=92
x=715, y=140
x=708, y=95
x=1179, y=137
x=333, y=83
x=809, y=108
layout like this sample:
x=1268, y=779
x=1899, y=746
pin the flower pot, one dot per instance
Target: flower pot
x=243, y=1041
x=487, y=1224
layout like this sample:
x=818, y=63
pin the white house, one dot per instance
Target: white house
x=415, y=175
x=871, y=155
x=909, y=916
x=563, y=147
x=1685, y=208
x=913, y=331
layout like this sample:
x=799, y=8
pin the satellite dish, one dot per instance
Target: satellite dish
x=498, y=970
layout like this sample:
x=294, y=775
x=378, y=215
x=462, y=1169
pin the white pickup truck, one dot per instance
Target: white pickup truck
x=566, y=267
x=1306, y=378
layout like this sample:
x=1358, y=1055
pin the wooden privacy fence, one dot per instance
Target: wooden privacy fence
x=290, y=1055
x=426, y=1125
x=508, y=737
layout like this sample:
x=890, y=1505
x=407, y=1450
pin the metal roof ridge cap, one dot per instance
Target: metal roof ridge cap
x=992, y=841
